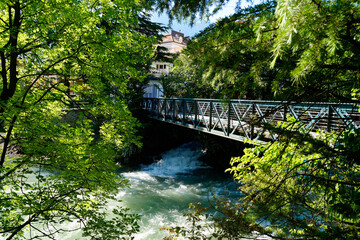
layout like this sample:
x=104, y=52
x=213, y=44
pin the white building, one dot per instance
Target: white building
x=174, y=42
x=154, y=89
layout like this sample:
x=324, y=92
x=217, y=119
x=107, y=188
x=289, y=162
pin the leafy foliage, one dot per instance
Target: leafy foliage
x=294, y=188
x=231, y=57
x=281, y=50
x=303, y=186
x=65, y=68
x=187, y=9
x=196, y=227
x=185, y=81
x=325, y=44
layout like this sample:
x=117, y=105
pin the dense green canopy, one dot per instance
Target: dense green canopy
x=54, y=55
x=302, y=186
x=288, y=50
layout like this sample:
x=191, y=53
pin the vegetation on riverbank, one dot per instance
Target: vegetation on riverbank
x=56, y=55
x=300, y=186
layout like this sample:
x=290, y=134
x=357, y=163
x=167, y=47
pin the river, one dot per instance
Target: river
x=161, y=192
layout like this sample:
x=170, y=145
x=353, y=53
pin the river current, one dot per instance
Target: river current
x=161, y=192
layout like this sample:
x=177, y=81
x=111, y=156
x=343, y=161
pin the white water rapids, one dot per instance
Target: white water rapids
x=161, y=192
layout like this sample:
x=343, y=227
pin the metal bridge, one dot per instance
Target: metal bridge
x=251, y=119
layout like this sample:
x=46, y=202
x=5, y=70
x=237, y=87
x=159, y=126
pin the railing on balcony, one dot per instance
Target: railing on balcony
x=251, y=119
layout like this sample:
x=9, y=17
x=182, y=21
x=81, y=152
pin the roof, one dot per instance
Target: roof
x=177, y=37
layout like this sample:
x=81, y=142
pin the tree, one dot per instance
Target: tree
x=55, y=55
x=310, y=192
x=267, y=52
x=231, y=57
x=187, y=10
x=302, y=186
x=184, y=81
x=325, y=45
x=136, y=87
x=294, y=188
x=312, y=189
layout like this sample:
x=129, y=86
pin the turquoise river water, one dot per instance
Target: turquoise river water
x=161, y=192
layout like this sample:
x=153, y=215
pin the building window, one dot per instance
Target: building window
x=177, y=38
x=160, y=66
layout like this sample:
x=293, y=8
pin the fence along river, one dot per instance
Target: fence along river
x=240, y=119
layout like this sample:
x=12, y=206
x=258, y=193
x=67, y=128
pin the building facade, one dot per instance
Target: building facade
x=174, y=42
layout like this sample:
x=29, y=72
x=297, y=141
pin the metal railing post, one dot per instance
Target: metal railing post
x=285, y=113
x=210, y=120
x=184, y=111
x=156, y=107
x=159, y=107
x=329, y=120
x=229, y=116
x=252, y=120
x=195, y=109
x=165, y=112
x=173, y=110
x=151, y=105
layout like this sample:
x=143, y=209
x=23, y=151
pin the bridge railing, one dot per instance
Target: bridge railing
x=251, y=119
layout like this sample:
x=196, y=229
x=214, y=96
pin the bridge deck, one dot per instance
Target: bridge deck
x=251, y=119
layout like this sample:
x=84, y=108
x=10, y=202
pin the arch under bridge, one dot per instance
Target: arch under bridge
x=251, y=119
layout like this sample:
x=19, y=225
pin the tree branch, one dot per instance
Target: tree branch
x=341, y=67
x=7, y=141
x=354, y=184
x=3, y=72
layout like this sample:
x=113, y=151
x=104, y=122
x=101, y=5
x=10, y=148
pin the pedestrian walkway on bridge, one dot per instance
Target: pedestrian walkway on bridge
x=251, y=119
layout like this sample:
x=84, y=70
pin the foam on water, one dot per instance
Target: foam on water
x=181, y=160
x=161, y=192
